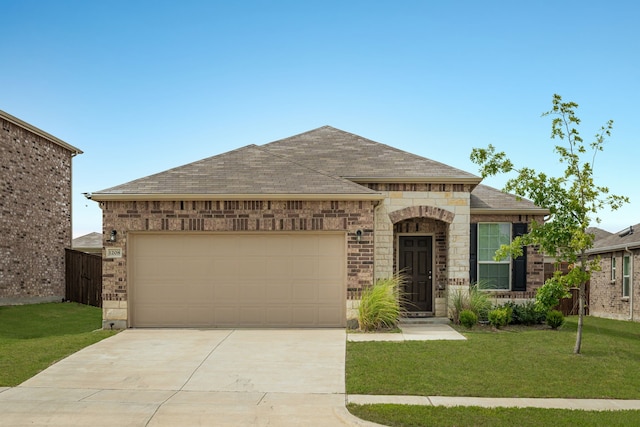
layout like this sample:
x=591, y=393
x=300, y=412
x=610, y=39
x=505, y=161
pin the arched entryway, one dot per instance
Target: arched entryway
x=420, y=253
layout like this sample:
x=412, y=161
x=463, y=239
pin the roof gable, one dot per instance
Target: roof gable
x=360, y=159
x=486, y=199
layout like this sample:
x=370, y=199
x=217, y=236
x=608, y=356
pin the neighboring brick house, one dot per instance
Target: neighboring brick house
x=613, y=290
x=288, y=234
x=35, y=212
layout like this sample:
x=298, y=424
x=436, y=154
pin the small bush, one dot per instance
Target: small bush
x=479, y=300
x=380, y=304
x=500, y=317
x=468, y=319
x=526, y=314
x=458, y=301
x=474, y=299
x=555, y=319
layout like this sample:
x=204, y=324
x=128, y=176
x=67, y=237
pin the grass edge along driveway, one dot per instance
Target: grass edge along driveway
x=34, y=336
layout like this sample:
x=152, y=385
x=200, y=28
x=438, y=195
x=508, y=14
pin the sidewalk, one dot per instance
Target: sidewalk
x=442, y=331
x=494, y=402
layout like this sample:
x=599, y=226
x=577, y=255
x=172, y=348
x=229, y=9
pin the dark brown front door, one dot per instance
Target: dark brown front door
x=416, y=264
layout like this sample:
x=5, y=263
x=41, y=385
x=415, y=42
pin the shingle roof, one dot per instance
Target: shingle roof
x=627, y=238
x=488, y=198
x=599, y=233
x=354, y=157
x=249, y=170
x=91, y=240
x=324, y=162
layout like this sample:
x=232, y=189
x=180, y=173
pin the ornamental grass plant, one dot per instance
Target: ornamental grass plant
x=381, y=304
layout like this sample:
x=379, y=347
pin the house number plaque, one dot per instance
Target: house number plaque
x=114, y=253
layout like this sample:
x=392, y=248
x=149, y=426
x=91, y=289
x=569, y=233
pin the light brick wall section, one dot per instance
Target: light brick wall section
x=35, y=216
x=457, y=233
x=447, y=208
x=240, y=216
x=605, y=295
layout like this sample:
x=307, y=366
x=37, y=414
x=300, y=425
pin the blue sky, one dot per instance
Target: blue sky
x=143, y=86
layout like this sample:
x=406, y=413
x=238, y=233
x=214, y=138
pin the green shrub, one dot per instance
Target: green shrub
x=553, y=290
x=468, y=319
x=479, y=301
x=380, y=304
x=500, y=317
x=458, y=301
x=555, y=319
x=474, y=299
x=525, y=314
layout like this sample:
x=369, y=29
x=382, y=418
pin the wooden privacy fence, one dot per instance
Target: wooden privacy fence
x=83, y=277
x=568, y=306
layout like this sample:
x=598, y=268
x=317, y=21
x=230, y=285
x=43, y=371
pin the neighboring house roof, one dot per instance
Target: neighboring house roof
x=363, y=160
x=16, y=121
x=599, y=233
x=629, y=238
x=88, y=241
x=485, y=199
x=249, y=171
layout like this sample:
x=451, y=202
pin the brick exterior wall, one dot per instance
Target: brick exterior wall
x=240, y=216
x=605, y=294
x=535, y=259
x=35, y=216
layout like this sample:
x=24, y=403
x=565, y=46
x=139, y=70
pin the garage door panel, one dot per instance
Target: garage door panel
x=227, y=280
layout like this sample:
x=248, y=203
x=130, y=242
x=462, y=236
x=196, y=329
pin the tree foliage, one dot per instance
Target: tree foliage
x=573, y=199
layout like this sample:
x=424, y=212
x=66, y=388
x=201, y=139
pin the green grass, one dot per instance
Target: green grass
x=415, y=416
x=32, y=337
x=526, y=363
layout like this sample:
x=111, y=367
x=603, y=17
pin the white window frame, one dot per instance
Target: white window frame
x=626, y=275
x=504, y=261
x=613, y=268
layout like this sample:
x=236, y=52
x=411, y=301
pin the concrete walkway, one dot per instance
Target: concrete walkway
x=411, y=332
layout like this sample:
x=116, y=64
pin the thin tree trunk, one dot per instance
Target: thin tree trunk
x=581, y=297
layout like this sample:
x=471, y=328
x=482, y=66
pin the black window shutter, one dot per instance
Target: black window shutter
x=519, y=276
x=473, y=254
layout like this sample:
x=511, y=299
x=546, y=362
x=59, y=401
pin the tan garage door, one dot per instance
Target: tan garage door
x=237, y=280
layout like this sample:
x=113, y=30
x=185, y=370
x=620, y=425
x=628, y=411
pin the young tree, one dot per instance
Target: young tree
x=573, y=199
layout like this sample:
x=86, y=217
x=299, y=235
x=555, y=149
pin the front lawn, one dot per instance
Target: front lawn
x=527, y=363
x=32, y=337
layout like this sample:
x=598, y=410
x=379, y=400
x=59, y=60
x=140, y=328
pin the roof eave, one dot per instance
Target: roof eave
x=438, y=180
x=16, y=121
x=277, y=196
x=613, y=248
x=490, y=211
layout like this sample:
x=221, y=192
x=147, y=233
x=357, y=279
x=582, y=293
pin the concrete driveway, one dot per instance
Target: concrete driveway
x=170, y=377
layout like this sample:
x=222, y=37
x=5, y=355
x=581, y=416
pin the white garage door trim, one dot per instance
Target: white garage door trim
x=269, y=279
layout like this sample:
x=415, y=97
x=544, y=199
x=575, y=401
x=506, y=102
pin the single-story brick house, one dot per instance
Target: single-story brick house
x=613, y=292
x=288, y=233
x=35, y=212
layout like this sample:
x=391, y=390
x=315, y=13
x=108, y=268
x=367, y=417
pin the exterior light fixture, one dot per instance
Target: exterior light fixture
x=112, y=236
x=358, y=235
